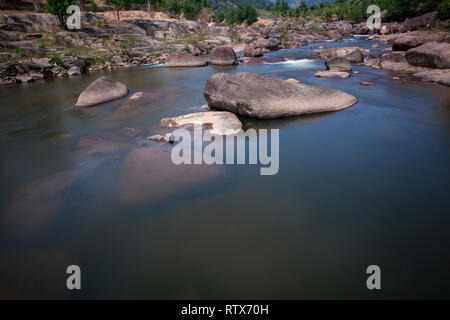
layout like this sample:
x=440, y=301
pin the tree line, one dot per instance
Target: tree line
x=355, y=10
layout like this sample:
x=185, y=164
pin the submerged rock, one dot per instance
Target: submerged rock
x=223, y=56
x=134, y=102
x=102, y=90
x=100, y=144
x=183, y=59
x=219, y=122
x=148, y=175
x=257, y=96
x=168, y=137
x=35, y=205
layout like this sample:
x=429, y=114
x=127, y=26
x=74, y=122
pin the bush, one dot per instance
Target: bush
x=59, y=9
x=444, y=10
x=93, y=6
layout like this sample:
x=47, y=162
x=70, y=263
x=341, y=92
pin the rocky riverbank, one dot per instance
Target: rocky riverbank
x=34, y=47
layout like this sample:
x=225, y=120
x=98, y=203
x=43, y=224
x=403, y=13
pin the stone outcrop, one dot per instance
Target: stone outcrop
x=430, y=55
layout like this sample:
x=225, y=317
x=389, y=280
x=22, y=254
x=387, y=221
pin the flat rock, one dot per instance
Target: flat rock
x=183, y=59
x=102, y=90
x=434, y=55
x=396, y=62
x=219, y=122
x=407, y=41
x=441, y=76
x=332, y=74
x=257, y=96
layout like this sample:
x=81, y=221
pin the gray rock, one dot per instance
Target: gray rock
x=338, y=64
x=352, y=54
x=24, y=78
x=396, y=62
x=218, y=122
x=251, y=50
x=426, y=21
x=117, y=60
x=182, y=59
x=438, y=75
x=74, y=71
x=407, y=41
x=102, y=90
x=430, y=55
x=257, y=96
x=223, y=56
x=332, y=74
x=270, y=44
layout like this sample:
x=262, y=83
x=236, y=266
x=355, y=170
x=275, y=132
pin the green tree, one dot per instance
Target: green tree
x=59, y=9
x=93, y=6
x=444, y=10
x=120, y=5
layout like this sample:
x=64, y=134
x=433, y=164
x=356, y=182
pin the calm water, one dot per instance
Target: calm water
x=366, y=185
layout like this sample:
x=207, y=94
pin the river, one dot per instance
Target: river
x=366, y=185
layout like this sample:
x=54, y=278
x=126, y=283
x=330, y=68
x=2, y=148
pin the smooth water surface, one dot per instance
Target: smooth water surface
x=366, y=185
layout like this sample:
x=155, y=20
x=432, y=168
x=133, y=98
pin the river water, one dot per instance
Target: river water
x=366, y=185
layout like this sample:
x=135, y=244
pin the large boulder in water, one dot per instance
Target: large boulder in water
x=257, y=96
x=102, y=90
x=223, y=56
x=430, y=55
x=352, y=54
x=183, y=59
x=338, y=64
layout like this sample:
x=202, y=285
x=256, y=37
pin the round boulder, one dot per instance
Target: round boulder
x=223, y=56
x=102, y=90
x=338, y=64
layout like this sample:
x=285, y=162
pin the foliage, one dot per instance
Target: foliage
x=237, y=15
x=356, y=10
x=59, y=9
x=93, y=6
x=444, y=10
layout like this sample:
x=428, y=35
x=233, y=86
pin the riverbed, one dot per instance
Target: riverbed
x=362, y=186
